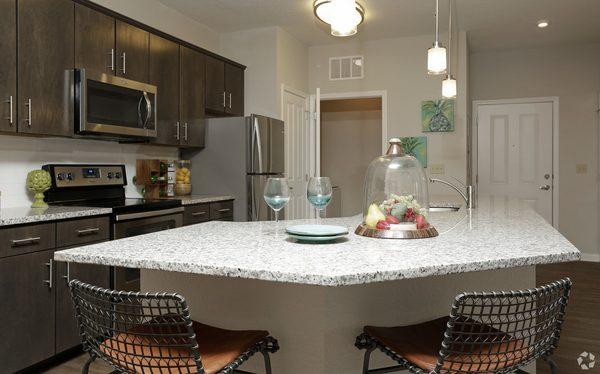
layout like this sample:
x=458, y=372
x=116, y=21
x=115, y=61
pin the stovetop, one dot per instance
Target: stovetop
x=125, y=205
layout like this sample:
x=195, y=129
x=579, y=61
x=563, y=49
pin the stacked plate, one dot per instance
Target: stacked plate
x=316, y=233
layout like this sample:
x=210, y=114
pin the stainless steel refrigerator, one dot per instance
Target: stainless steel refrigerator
x=240, y=154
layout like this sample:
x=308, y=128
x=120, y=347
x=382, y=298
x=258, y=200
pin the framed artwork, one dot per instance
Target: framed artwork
x=416, y=146
x=437, y=115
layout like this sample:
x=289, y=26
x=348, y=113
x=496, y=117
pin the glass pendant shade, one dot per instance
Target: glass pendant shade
x=436, y=60
x=449, y=87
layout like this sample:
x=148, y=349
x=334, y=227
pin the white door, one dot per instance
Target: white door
x=298, y=159
x=515, y=153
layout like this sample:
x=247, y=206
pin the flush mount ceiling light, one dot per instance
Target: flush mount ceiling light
x=542, y=24
x=449, y=84
x=436, y=55
x=343, y=16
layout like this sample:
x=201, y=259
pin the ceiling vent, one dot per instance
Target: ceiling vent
x=346, y=67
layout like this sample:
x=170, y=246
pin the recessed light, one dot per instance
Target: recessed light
x=542, y=24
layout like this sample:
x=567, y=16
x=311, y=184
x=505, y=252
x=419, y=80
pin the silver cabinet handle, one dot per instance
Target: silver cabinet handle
x=88, y=231
x=230, y=100
x=33, y=240
x=49, y=281
x=10, y=117
x=224, y=210
x=28, y=119
x=185, y=131
x=112, y=59
x=67, y=275
x=224, y=94
x=124, y=65
x=177, y=130
x=196, y=214
x=545, y=187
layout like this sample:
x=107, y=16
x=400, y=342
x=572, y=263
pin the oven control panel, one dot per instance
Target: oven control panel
x=69, y=175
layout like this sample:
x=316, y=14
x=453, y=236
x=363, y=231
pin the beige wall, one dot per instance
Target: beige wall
x=166, y=19
x=573, y=74
x=399, y=67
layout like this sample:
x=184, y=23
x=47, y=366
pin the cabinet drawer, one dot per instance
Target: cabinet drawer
x=196, y=214
x=221, y=210
x=25, y=239
x=81, y=231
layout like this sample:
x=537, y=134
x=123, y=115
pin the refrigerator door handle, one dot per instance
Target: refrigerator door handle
x=258, y=145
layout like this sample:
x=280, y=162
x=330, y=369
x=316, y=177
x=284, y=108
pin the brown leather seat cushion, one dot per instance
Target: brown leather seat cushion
x=420, y=345
x=218, y=347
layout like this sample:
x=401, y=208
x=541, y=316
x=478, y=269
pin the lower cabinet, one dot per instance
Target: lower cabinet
x=215, y=211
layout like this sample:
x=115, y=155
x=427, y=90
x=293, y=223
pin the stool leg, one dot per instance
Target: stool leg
x=552, y=364
x=267, y=362
x=366, y=360
x=86, y=367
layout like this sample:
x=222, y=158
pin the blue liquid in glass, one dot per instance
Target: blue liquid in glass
x=277, y=202
x=319, y=201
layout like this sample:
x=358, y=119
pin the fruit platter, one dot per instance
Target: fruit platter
x=397, y=217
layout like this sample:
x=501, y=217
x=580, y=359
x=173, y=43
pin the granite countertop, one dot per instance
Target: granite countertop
x=201, y=199
x=500, y=233
x=24, y=215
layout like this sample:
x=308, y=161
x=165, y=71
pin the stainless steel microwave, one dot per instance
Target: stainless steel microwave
x=113, y=106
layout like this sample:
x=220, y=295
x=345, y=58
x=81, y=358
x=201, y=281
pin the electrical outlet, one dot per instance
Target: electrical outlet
x=437, y=169
x=581, y=168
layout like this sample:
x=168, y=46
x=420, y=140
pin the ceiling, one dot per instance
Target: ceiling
x=492, y=24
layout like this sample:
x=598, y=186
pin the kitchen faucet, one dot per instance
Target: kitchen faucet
x=468, y=196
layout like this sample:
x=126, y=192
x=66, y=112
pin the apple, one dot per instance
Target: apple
x=421, y=222
x=391, y=219
x=382, y=225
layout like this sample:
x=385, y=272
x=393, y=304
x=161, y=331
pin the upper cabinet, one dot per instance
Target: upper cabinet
x=132, y=52
x=224, y=88
x=94, y=40
x=8, y=65
x=191, y=109
x=45, y=58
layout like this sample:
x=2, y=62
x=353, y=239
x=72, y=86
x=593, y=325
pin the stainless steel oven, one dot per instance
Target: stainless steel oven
x=113, y=106
x=133, y=224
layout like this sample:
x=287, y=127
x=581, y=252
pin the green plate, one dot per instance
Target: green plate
x=317, y=230
x=304, y=238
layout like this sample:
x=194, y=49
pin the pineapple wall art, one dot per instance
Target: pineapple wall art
x=437, y=115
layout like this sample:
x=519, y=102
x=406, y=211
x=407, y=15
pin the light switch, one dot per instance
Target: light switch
x=437, y=169
x=581, y=168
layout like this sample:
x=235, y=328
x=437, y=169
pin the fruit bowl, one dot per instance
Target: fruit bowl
x=427, y=232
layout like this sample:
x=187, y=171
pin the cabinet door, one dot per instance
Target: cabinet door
x=192, y=98
x=164, y=74
x=45, y=58
x=8, y=65
x=94, y=40
x=67, y=330
x=132, y=52
x=215, y=85
x=234, y=87
x=27, y=310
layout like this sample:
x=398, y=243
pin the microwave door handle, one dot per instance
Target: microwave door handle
x=139, y=108
x=148, y=109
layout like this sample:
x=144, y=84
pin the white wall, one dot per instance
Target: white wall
x=19, y=155
x=399, y=67
x=168, y=20
x=573, y=74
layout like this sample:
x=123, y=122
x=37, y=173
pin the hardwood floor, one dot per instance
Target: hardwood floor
x=581, y=331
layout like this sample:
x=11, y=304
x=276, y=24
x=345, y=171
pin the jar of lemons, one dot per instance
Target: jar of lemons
x=183, y=175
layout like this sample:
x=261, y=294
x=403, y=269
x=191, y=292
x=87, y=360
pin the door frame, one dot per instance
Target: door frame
x=554, y=100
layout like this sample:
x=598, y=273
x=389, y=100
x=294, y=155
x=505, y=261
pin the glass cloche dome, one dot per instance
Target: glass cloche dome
x=396, y=197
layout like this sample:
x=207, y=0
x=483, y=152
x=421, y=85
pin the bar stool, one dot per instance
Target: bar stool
x=152, y=333
x=489, y=332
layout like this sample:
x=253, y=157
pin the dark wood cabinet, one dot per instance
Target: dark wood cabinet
x=45, y=59
x=132, y=44
x=67, y=331
x=234, y=87
x=191, y=110
x=8, y=65
x=25, y=239
x=164, y=74
x=204, y=212
x=215, y=85
x=94, y=40
x=27, y=310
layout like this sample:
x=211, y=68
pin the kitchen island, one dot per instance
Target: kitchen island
x=315, y=298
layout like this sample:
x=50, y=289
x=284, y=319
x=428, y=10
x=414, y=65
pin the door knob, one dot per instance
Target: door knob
x=545, y=187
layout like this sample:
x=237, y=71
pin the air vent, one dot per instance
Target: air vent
x=347, y=67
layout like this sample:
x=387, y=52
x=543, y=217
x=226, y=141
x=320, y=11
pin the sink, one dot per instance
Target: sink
x=438, y=209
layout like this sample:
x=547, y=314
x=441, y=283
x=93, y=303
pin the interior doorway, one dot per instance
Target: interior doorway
x=350, y=138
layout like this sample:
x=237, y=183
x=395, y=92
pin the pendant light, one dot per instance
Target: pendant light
x=436, y=55
x=449, y=84
x=343, y=16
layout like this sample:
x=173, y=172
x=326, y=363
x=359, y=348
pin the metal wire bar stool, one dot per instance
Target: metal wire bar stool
x=486, y=332
x=153, y=333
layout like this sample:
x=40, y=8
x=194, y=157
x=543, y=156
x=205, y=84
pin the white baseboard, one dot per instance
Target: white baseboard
x=591, y=257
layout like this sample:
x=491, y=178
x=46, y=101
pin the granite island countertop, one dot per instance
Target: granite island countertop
x=25, y=215
x=501, y=233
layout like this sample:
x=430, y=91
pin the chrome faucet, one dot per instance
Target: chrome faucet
x=466, y=194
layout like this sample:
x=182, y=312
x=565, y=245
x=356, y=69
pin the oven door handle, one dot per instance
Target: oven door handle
x=155, y=213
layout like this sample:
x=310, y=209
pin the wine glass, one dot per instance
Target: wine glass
x=318, y=193
x=277, y=194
